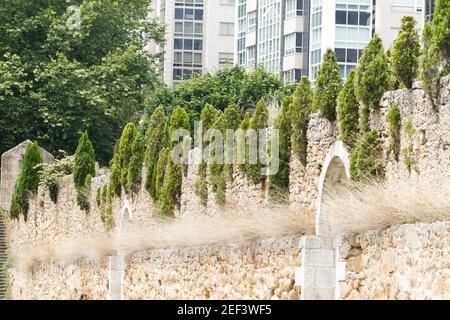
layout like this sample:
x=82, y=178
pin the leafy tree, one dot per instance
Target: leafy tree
x=221, y=89
x=259, y=122
x=157, y=136
x=348, y=111
x=60, y=81
x=53, y=174
x=405, y=52
x=299, y=112
x=372, y=78
x=161, y=171
x=279, y=182
x=441, y=31
x=429, y=65
x=328, y=86
x=84, y=167
x=27, y=182
x=129, y=135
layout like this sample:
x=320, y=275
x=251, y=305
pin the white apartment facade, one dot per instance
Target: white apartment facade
x=199, y=37
x=273, y=34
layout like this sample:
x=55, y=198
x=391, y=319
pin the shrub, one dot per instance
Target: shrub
x=83, y=167
x=372, y=78
x=408, y=152
x=126, y=144
x=53, y=174
x=299, y=112
x=394, y=121
x=348, y=111
x=157, y=139
x=279, y=182
x=83, y=194
x=405, y=53
x=441, y=31
x=364, y=158
x=217, y=174
x=115, y=186
x=429, y=65
x=328, y=86
x=160, y=171
x=171, y=190
x=27, y=182
x=258, y=122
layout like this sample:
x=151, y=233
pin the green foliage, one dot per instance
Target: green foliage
x=171, y=190
x=299, y=112
x=104, y=204
x=160, y=171
x=348, y=111
x=328, y=86
x=220, y=90
x=84, y=166
x=157, y=136
x=217, y=172
x=441, y=31
x=241, y=149
x=405, y=53
x=259, y=122
x=372, y=78
x=364, y=158
x=53, y=174
x=134, y=179
x=394, y=121
x=70, y=80
x=429, y=65
x=115, y=186
x=83, y=194
x=27, y=182
x=232, y=120
x=279, y=182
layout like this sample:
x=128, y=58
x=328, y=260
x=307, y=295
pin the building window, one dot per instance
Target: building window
x=226, y=58
x=251, y=21
x=294, y=75
x=226, y=29
x=293, y=43
x=251, y=56
x=410, y=6
x=294, y=8
x=353, y=18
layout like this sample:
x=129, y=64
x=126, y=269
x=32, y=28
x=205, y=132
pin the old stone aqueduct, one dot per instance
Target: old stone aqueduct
x=410, y=261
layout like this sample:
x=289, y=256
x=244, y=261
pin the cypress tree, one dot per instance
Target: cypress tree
x=156, y=136
x=160, y=171
x=115, y=188
x=242, y=142
x=259, y=121
x=134, y=178
x=348, y=111
x=129, y=134
x=279, y=182
x=364, y=164
x=405, y=53
x=27, y=182
x=232, y=120
x=328, y=86
x=217, y=176
x=429, y=65
x=372, y=78
x=84, y=166
x=299, y=112
x=441, y=31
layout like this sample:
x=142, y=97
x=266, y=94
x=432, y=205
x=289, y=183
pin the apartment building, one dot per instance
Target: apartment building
x=199, y=36
x=273, y=34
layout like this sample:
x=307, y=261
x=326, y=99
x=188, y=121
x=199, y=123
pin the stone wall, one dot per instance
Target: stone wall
x=401, y=262
x=258, y=270
x=62, y=281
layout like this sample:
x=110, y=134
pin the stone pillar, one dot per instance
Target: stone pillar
x=115, y=277
x=321, y=269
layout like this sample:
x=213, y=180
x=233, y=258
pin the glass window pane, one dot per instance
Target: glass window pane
x=198, y=14
x=198, y=28
x=179, y=13
x=352, y=55
x=178, y=44
x=341, y=17
x=341, y=33
x=340, y=54
x=364, y=18
x=198, y=44
x=179, y=27
x=197, y=58
x=187, y=57
x=187, y=44
x=189, y=14
x=353, y=18
x=188, y=27
x=177, y=74
x=177, y=57
x=187, y=74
